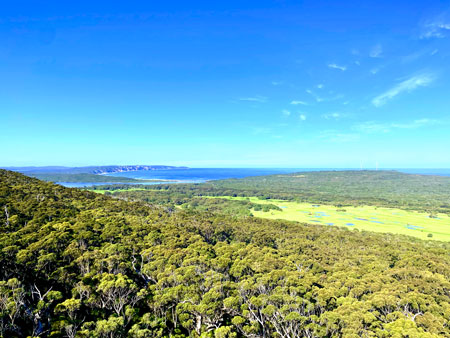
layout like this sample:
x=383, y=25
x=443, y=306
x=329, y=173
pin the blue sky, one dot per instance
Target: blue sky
x=225, y=84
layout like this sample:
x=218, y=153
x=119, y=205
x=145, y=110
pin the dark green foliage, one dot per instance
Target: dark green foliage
x=383, y=188
x=78, y=264
x=340, y=188
x=188, y=200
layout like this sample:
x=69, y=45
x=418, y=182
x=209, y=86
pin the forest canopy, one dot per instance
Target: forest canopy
x=353, y=187
x=74, y=263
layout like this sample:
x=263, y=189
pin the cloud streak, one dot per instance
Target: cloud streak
x=408, y=85
x=296, y=102
x=335, y=66
x=256, y=98
x=435, y=28
x=324, y=99
x=376, y=51
x=261, y=130
x=332, y=116
x=338, y=137
x=316, y=97
x=375, y=127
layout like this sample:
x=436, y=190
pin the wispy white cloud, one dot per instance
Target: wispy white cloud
x=316, y=97
x=335, y=66
x=319, y=98
x=256, y=98
x=425, y=52
x=377, y=127
x=320, y=86
x=295, y=102
x=404, y=86
x=376, y=51
x=338, y=136
x=335, y=97
x=331, y=116
x=373, y=71
x=286, y=112
x=277, y=83
x=414, y=56
x=302, y=117
x=371, y=127
x=261, y=130
x=435, y=28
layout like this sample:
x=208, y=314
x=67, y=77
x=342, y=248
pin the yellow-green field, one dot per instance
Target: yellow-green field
x=100, y=191
x=363, y=218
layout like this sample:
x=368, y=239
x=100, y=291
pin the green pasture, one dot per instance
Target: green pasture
x=101, y=191
x=368, y=218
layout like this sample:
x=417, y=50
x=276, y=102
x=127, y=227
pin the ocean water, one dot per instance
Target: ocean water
x=199, y=175
x=91, y=184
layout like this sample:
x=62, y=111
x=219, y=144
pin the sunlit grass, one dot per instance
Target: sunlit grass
x=101, y=191
x=370, y=218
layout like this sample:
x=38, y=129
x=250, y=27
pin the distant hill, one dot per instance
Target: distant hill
x=90, y=174
x=87, y=178
x=109, y=169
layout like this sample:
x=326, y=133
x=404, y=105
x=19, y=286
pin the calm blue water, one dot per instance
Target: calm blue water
x=90, y=184
x=205, y=174
x=199, y=175
x=192, y=175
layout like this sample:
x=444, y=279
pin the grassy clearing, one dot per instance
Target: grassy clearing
x=100, y=191
x=368, y=218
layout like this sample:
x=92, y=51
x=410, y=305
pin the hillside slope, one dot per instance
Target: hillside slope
x=78, y=264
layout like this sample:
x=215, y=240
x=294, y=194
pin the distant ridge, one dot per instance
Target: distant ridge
x=98, y=170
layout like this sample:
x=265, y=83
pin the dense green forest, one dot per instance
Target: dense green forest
x=79, y=264
x=187, y=200
x=380, y=188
